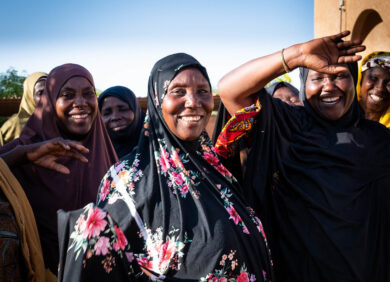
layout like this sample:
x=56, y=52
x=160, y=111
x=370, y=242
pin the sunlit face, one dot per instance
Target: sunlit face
x=188, y=104
x=38, y=90
x=330, y=95
x=116, y=114
x=287, y=95
x=375, y=90
x=76, y=107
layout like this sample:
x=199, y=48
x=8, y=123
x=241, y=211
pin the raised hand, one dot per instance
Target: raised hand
x=326, y=53
x=46, y=153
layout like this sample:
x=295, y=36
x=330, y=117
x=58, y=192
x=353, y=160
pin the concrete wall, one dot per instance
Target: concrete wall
x=366, y=19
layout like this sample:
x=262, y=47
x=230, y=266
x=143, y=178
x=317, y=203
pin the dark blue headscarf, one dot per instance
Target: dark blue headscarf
x=125, y=140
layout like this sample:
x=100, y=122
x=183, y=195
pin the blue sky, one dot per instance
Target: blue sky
x=119, y=41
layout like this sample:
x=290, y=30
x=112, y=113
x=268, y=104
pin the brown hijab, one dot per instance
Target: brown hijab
x=47, y=190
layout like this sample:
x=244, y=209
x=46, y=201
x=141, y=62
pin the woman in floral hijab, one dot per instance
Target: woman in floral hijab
x=171, y=211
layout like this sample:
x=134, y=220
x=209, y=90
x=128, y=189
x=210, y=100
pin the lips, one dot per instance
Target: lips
x=190, y=119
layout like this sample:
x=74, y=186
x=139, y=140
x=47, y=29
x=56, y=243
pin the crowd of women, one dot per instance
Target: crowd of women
x=293, y=186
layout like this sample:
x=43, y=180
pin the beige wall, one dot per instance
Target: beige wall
x=327, y=21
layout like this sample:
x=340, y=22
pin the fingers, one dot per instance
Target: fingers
x=78, y=147
x=348, y=59
x=59, y=168
x=74, y=155
x=339, y=36
x=352, y=51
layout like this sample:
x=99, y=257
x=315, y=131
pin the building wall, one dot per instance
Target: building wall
x=366, y=19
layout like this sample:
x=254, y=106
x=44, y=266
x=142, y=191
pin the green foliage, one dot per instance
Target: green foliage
x=11, y=84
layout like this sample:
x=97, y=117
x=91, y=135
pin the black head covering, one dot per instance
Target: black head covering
x=274, y=86
x=319, y=187
x=182, y=196
x=125, y=140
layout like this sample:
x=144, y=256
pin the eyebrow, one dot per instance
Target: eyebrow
x=181, y=84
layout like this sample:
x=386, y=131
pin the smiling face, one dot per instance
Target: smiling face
x=38, y=90
x=375, y=90
x=287, y=95
x=188, y=104
x=330, y=95
x=116, y=114
x=76, y=107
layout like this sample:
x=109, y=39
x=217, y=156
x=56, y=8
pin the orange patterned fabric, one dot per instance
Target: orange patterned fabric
x=238, y=126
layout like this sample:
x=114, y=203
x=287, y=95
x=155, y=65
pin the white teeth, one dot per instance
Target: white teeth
x=376, y=98
x=79, y=116
x=330, y=100
x=191, y=118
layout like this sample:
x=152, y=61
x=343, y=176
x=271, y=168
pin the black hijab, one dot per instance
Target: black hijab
x=320, y=188
x=274, y=86
x=126, y=139
x=178, y=207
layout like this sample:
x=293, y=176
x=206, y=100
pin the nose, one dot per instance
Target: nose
x=115, y=116
x=79, y=101
x=192, y=100
x=328, y=84
x=380, y=86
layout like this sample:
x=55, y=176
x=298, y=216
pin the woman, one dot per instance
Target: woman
x=122, y=117
x=285, y=92
x=68, y=109
x=318, y=175
x=32, y=89
x=373, y=87
x=173, y=212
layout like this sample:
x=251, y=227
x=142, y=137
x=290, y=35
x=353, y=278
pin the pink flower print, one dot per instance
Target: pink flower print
x=168, y=250
x=223, y=279
x=163, y=160
x=121, y=240
x=105, y=190
x=233, y=214
x=211, y=158
x=222, y=170
x=176, y=161
x=260, y=227
x=243, y=277
x=129, y=256
x=145, y=263
x=95, y=222
x=177, y=178
x=184, y=189
x=245, y=230
x=101, y=246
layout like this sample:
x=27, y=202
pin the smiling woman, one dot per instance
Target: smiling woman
x=319, y=174
x=67, y=109
x=170, y=211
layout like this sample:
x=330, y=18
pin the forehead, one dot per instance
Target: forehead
x=378, y=72
x=284, y=91
x=112, y=101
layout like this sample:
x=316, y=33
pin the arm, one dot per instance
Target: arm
x=237, y=88
x=45, y=154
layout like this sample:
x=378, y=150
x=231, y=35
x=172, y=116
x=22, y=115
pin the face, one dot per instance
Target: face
x=375, y=90
x=188, y=104
x=38, y=90
x=116, y=114
x=287, y=95
x=330, y=95
x=76, y=106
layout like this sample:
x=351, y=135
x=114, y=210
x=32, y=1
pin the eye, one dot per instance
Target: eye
x=203, y=91
x=178, y=92
x=89, y=93
x=341, y=75
x=68, y=95
x=316, y=78
x=106, y=113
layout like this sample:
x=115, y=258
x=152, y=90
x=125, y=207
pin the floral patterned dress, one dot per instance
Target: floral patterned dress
x=169, y=212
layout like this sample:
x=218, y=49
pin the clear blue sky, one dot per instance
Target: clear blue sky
x=119, y=41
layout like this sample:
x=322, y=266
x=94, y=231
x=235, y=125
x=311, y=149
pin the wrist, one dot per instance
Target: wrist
x=293, y=56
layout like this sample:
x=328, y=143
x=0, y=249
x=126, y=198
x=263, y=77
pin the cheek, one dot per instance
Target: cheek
x=60, y=107
x=208, y=104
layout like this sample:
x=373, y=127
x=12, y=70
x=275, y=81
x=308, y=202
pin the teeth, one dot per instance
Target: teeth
x=330, y=100
x=376, y=98
x=80, y=116
x=191, y=118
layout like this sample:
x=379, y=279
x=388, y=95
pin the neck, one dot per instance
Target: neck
x=375, y=116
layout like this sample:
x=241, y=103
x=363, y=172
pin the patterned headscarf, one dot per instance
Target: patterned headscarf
x=378, y=59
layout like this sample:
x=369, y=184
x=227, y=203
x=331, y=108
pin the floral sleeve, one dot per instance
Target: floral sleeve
x=102, y=248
